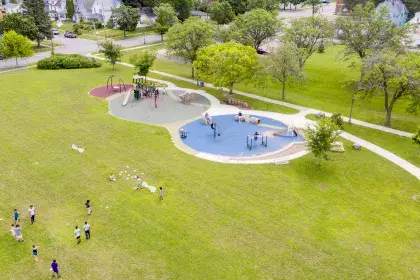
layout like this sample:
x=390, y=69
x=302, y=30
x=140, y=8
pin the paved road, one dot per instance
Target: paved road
x=80, y=46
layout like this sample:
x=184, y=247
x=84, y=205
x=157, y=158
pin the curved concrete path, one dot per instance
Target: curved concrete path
x=300, y=121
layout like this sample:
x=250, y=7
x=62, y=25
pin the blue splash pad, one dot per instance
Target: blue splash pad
x=233, y=137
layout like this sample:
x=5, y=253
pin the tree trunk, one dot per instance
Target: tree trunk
x=16, y=61
x=295, y=7
x=282, y=91
x=230, y=91
x=161, y=37
x=124, y=34
x=38, y=45
x=192, y=72
x=313, y=9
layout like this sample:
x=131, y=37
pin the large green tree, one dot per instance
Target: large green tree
x=186, y=39
x=182, y=7
x=20, y=24
x=70, y=9
x=126, y=18
x=15, y=45
x=111, y=51
x=221, y=12
x=143, y=61
x=255, y=28
x=36, y=10
x=366, y=29
x=394, y=76
x=320, y=136
x=227, y=64
x=308, y=34
x=238, y=6
x=165, y=18
x=314, y=4
x=283, y=65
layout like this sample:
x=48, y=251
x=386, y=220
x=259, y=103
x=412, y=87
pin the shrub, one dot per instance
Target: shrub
x=337, y=120
x=77, y=28
x=416, y=136
x=67, y=61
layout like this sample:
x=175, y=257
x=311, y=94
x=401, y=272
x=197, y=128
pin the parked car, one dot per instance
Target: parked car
x=326, y=1
x=69, y=34
x=55, y=31
x=261, y=52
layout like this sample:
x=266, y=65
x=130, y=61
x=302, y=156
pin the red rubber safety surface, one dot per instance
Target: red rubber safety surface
x=103, y=92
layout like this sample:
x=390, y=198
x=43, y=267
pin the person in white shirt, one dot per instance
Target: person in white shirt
x=77, y=234
x=139, y=183
x=160, y=193
x=112, y=177
x=31, y=211
x=86, y=228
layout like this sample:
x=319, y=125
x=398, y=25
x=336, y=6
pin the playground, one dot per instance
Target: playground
x=239, y=139
x=224, y=138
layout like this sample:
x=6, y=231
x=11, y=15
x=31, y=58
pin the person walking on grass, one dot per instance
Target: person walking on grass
x=16, y=216
x=31, y=211
x=35, y=252
x=77, y=234
x=86, y=227
x=54, y=268
x=18, y=234
x=87, y=204
x=139, y=183
x=12, y=230
x=160, y=193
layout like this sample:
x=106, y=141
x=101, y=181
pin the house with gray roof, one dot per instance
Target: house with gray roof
x=56, y=9
x=99, y=9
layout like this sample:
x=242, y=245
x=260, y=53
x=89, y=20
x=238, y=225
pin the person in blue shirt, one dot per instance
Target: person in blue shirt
x=16, y=216
x=54, y=268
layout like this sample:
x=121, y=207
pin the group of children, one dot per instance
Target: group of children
x=17, y=233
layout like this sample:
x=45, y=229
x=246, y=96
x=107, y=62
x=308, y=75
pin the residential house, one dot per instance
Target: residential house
x=99, y=9
x=398, y=11
x=12, y=8
x=56, y=9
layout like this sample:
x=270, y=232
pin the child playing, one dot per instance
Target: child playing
x=160, y=193
x=112, y=177
x=87, y=204
x=35, y=252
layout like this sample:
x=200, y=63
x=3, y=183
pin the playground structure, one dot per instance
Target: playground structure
x=240, y=103
x=119, y=86
x=141, y=90
x=187, y=98
x=251, y=140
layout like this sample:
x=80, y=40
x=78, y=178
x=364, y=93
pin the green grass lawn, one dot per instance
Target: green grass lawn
x=401, y=146
x=350, y=218
x=325, y=74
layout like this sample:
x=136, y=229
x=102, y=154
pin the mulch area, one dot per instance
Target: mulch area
x=103, y=92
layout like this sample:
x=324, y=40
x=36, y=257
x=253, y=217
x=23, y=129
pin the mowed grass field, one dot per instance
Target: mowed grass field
x=324, y=90
x=350, y=218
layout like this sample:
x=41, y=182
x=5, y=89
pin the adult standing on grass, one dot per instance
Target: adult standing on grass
x=86, y=228
x=16, y=216
x=87, y=204
x=54, y=268
x=139, y=183
x=77, y=234
x=31, y=211
x=18, y=233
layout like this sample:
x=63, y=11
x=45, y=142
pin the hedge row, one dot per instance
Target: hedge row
x=67, y=61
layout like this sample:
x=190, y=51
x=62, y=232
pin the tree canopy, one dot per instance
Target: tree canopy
x=20, y=24
x=283, y=65
x=143, y=61
x=36, y=10
x=314, y=4
x=308, y=34
x=15, y=45
x=394, y=76
x=365, y=30
x=221, y=12
x=186, y=39
x=320, y=136
x=255, y=28
x=227, y=64
x=126, y=18
x=111, y=51
x=70, y=9
x=165, y=18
